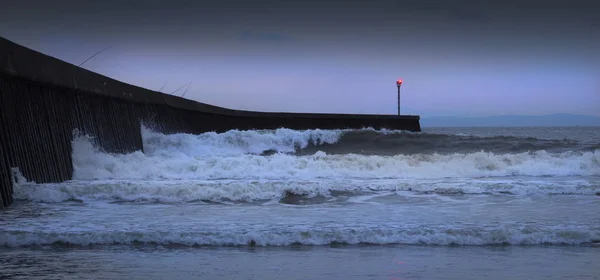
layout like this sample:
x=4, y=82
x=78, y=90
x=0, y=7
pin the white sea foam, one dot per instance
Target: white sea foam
x=220, y=167
x=234, y=142
x=381, y=198
x=225, y=156
x=261, y=190
x=423, y=235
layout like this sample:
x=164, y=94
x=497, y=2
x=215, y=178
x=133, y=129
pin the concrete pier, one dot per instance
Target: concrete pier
x=43, y=100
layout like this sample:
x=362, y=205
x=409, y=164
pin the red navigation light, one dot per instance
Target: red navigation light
x=399, y=82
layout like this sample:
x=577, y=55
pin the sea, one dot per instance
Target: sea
x=445, y=203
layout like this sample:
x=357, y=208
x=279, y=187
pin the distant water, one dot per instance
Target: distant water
x=447, y=203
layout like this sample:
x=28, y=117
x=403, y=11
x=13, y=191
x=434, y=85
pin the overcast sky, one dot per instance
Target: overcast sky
x=461, y=58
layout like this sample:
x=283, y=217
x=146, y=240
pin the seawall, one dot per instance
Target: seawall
x=43, y=100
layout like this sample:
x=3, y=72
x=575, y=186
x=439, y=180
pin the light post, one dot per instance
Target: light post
x=399, y=83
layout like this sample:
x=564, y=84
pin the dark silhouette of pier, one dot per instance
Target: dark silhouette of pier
x=43, y=100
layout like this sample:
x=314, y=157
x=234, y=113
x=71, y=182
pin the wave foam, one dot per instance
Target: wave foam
x=183, y=162
x=505, y=235
x=235, y=142
x=265, y=190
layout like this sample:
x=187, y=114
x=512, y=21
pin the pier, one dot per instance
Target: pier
x=44, y=101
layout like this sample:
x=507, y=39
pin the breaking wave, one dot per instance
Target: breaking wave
x=364, y=141
x=192, y=157
x=423, y=235
x=283, y=179
x=289, y=191
x=371, y=142
x=235, y=142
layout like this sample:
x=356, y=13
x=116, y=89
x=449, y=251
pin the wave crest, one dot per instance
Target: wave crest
x=505, y=235
x=181, y=163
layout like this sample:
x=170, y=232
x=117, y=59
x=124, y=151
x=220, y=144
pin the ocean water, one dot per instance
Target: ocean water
x=446, y=203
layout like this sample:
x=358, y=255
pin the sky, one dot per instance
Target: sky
x=457, y=58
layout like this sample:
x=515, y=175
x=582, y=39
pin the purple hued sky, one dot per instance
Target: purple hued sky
x=459, y=58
